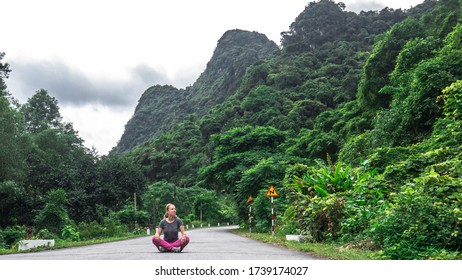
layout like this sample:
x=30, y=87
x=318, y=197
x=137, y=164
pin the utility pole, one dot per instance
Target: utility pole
x=134, y=202
x=154, y=218
x=174, y=194
x=201, y=214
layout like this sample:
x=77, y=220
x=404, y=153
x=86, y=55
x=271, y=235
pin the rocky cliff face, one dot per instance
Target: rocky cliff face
x=160, y=107
x=235, y=52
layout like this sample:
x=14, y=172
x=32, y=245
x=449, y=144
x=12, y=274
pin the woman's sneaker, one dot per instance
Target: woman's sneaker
x=161, y=249
x=176, y=249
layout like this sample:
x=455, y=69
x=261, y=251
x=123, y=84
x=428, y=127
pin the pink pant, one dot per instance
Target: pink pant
x=169, y=246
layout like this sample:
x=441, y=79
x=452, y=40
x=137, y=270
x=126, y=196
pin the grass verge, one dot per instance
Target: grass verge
x=59, y=244
x=320, y=250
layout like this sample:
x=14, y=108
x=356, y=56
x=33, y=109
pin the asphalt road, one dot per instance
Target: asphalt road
x=216, y=243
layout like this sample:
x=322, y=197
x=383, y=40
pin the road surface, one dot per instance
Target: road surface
x=216, y=243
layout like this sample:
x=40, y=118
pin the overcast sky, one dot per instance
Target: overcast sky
x=97, y=57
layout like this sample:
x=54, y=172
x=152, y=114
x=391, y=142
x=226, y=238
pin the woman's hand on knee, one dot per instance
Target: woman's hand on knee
x=183, y=240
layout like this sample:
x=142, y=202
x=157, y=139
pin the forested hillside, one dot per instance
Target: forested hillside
x=355, y=120
x=160, y=107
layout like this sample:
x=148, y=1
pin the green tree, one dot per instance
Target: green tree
x=119, y=178
x=57, y=158
x=206, y=207
x=4, y=73
x=10, y=194
x=414, y=107
x=54, y=214
x=173, y=154
x=131, y=217
x=156, y=197
x=41, y=112
x=159, y=194
x=262, y=209
x=449, y=128
x=236, y=151
x=319, y=23
x=12, y=165
x=13, y=144
x=382, y=60
x=264, y=173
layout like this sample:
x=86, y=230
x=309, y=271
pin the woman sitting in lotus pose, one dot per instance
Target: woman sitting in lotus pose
x=170, y=226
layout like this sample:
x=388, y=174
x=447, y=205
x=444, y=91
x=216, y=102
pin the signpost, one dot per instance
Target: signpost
x=249, y=202
x=272, y=193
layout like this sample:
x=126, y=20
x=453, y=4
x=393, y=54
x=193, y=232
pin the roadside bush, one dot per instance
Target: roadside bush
x=289, y=224
x=318, y=199
x=94, y=230
x=45, y=234
x=323, y=217
x=54, y=214
x=194, y=223
x=129, y=216
x=12, y=235
x=362, y=203
x=418, y=224
x=70, y=233
x=139, y=231
x=114, y=226
x=228, y=211
x=206, y=207
x=415, y=164
x=261, y=209
x=383, y=157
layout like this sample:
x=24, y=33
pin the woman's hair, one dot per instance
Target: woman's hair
x=166, y=210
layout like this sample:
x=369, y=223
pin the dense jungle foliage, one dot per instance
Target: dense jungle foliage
x=355, y=120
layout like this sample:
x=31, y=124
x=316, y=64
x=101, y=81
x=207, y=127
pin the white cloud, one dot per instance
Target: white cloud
x=366, y=5
x=72, y=86
x=107, y=124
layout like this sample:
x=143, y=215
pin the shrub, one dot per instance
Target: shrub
x=94, y=230
x=418, y=223
x=12, y=235
x=261, y=212
x=70, y=233
x=54, y=215
x=45, y=234
x=289, y=223
x=318, y=199
x=323, y=216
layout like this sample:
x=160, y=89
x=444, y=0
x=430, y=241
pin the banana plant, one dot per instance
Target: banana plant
x=322, y=179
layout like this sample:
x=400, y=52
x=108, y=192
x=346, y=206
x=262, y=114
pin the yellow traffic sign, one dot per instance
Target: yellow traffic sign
x=249, y=200
x=272, y=192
